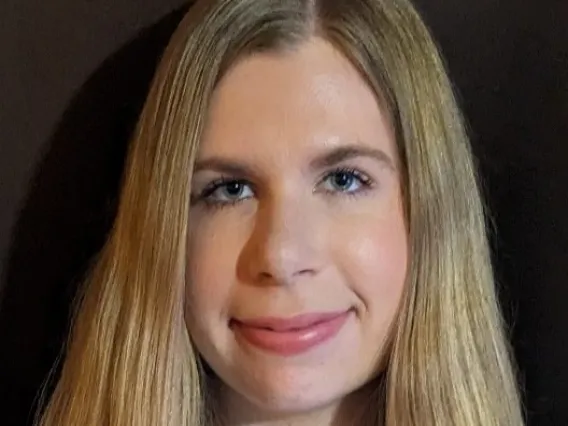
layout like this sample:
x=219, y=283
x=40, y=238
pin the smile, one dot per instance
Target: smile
x=290, y=336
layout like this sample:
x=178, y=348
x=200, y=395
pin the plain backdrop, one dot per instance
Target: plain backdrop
x=73, y=76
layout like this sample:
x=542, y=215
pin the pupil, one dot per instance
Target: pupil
x=342, y=179
x=234, y=188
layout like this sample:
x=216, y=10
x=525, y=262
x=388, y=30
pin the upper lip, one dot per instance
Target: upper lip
x=292, y=323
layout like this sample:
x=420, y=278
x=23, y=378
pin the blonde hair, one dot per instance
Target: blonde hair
x=130, y=360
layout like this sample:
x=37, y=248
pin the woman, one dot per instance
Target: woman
x=300, y=237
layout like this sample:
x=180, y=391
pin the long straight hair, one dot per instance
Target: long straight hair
x=130, y=360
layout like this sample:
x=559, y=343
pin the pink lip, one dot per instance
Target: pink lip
x=290, y=336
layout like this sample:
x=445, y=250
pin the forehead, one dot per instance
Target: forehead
x=292, y=104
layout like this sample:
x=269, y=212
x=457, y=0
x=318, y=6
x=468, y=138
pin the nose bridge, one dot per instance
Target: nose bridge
x=285, y=239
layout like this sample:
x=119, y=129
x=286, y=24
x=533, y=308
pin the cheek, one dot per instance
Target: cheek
x=210, y=274
x=375, y=260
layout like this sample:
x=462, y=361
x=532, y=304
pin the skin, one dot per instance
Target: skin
x=314, y=223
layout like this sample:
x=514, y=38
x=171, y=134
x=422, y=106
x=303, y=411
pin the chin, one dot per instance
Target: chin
x=279, y=401
x=291, y=391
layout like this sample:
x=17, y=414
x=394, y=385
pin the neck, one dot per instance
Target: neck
x=360, y=408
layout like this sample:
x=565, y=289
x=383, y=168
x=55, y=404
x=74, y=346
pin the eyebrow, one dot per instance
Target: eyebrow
x=347, y=152
x=325, y=160
x=224, y=165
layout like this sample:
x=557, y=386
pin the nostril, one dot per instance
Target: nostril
x=305, y=271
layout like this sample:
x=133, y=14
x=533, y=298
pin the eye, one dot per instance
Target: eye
x=346, y=181
x=225, y=191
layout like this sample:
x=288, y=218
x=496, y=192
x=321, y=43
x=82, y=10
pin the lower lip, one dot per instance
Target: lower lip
x=292, y=342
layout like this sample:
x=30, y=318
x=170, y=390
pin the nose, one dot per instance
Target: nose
x=285, y=245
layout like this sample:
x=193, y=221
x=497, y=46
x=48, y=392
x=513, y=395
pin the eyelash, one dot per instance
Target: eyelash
x=365, y=181
x=204, y=196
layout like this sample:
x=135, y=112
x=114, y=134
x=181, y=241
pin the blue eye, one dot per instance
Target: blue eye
x=346, y=181
x=227, y=192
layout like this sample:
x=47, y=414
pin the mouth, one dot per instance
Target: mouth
x=290, y=336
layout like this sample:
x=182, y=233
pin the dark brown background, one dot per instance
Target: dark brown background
x=74, y=73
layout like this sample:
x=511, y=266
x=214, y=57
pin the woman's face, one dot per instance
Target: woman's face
x=298, y=246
